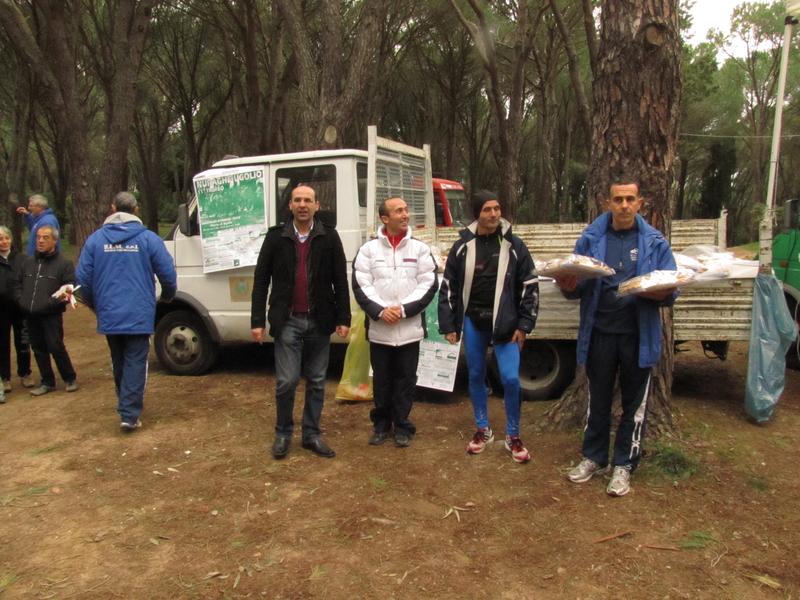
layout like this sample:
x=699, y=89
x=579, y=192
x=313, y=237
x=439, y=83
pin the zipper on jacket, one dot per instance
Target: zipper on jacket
x=36, y=283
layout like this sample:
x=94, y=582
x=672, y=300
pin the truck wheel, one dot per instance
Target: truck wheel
x=183, y=344
x=546, y=369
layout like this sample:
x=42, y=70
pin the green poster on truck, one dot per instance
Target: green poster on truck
x=232, y=211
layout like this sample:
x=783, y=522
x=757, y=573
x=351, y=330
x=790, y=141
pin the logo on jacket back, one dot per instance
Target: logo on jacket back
x=120, y=248
x=634, y=255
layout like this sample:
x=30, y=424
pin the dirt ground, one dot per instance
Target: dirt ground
x=193, y=505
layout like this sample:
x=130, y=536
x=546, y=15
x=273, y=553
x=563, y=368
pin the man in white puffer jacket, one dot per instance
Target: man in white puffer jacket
x=394, y=279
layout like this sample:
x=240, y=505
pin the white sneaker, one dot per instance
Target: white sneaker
x=128, y=427
x=518, y=451
x=479, y=441
x=620, y=482
x=585, y=471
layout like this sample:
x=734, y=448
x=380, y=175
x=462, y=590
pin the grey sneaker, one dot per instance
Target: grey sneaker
x=2, y=398
x=27, y=381
x=72, y=386
x=585, y=471
x=127, y=427
x=42, y=390
x=402, y=439
x=379, y=437
x=620, y=482
x=6, y=386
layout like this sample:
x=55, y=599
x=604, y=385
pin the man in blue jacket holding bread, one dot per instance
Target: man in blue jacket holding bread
x=116, y=272
x=618, y=335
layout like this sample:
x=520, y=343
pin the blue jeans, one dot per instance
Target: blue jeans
x=476, y=343
x=129, y=363
x=300, y=346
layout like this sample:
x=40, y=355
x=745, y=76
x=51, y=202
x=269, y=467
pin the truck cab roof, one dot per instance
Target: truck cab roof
x=293, y=156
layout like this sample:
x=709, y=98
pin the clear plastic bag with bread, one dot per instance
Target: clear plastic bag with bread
x=585, y=267
x=656, y=280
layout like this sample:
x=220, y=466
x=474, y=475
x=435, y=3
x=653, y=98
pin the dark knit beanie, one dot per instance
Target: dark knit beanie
x=479, y=199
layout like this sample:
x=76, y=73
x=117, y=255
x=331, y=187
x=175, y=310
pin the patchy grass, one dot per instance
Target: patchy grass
x=377, y=483
x=698, y=540
x=673, y=462
x=697, y=427
x=317, y=573
x=37, y=491
x=49, y=448
x=746, y=251
x=758, y=483
x=6, y=579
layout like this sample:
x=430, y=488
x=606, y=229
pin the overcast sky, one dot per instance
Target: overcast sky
x=711, y=14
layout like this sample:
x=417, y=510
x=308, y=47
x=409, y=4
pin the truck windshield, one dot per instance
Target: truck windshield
x=459, y=209
x=322, y=178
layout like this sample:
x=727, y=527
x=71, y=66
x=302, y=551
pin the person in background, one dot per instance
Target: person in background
x=11, y=316
x=116, y=274
x=490, y=294
x=41, y=276
x=37, y=215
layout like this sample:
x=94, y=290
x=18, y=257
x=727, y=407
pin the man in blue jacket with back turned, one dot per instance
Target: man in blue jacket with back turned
x=116, y=273
x=618, y=335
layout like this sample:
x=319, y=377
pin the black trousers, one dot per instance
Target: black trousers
x=47, y=339
x=13, y=319
x=394, y=377
x=610, y=354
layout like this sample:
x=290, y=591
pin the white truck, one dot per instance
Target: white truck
x=218, y=234
x=215, y=269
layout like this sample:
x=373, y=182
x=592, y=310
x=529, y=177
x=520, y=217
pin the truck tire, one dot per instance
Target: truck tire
x=546, y=368
x=183, y=344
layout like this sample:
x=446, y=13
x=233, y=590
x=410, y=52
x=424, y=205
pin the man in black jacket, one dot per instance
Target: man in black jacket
x=304, y=260
x=490, y=295
x=43, y=274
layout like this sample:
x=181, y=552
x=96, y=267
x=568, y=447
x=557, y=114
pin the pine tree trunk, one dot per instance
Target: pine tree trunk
x=635, y=117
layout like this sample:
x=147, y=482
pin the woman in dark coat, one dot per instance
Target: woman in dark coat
x=11, y=317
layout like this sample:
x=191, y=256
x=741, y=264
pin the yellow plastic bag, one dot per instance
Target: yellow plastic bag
x=356, y=383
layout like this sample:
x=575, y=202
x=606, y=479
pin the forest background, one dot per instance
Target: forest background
x=100, y=96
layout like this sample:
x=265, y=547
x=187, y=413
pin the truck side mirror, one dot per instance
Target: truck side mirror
x=184, y=224
x=791, y=218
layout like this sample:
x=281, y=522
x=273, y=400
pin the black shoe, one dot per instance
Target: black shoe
x=281, y=447
x=319, y=447
x=402, y=439
x=378, y=437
